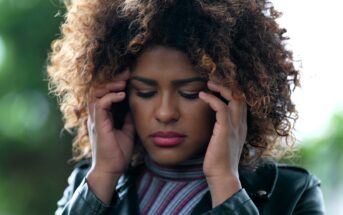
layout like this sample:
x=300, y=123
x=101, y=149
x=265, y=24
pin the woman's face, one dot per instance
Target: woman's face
x=172, y=123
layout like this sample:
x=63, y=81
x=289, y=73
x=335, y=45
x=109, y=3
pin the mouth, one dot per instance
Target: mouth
x=167, y=138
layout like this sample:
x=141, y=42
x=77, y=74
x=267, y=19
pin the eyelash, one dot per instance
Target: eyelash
x=189, y=96
x=146, y=94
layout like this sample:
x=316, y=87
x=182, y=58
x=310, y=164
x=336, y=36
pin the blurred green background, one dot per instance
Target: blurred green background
x=34, y=153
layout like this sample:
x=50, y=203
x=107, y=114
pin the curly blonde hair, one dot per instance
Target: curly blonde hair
x=236, y=41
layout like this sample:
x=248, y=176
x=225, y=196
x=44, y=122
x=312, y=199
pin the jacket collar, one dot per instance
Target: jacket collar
x=260, y=183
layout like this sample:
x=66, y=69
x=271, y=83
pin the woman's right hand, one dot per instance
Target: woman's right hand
x=111, y=148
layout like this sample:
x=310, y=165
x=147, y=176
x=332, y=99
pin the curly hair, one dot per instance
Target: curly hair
x=235, y=41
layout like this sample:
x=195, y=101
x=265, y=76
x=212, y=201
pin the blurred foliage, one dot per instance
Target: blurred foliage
x=33, y=160
x=33, y=153
x=323, y=157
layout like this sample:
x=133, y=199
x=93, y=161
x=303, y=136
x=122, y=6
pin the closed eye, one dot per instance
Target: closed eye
x=190, y=96
x=147, y=94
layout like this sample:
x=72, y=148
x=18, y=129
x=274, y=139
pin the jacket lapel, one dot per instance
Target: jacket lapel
x=260, y=183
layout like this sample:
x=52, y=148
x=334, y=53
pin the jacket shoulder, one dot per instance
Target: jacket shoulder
x=273, y=179
x=79, y=173
x=300, y=188
x=298, y=175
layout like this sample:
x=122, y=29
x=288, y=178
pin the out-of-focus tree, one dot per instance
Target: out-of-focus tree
x=33, y=160
x=323, y=157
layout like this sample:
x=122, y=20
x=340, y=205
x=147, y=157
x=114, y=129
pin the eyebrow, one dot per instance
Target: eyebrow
x=153, y=82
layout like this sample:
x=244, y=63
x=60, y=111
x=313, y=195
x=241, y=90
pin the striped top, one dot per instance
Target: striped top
x=171, y=190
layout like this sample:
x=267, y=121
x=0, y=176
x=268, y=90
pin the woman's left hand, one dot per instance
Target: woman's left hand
x=225, y=147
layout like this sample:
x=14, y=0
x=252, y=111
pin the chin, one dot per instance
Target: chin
x=166, y=160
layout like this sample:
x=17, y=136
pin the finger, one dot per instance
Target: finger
x=116, y=85
x=225, y=92
x=99, y=91
x=103, y=105
x=240, y=110
x=94, y=95
x=123, y=76
x=217, y=105
x=237, y=107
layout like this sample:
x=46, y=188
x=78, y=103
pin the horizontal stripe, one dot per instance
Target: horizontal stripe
x=165, y=190
x=189, y=170
x=188, y=208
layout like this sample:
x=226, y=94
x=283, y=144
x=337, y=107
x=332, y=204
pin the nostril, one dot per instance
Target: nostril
x=167, y=109
x=167, y=115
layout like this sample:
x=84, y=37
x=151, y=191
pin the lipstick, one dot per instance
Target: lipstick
x=167, y=138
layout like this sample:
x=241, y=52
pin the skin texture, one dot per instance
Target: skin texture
x=223, y=126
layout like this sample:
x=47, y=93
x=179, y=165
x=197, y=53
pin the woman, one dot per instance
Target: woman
x=179, y=107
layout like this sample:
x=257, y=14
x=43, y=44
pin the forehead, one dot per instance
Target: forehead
x=164, y=61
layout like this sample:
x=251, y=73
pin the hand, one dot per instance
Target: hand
x=225, y=147
x=111, y=148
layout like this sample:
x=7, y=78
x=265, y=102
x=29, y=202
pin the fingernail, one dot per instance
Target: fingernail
x=202, y=94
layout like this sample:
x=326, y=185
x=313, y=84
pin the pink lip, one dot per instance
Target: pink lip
x=167, y=138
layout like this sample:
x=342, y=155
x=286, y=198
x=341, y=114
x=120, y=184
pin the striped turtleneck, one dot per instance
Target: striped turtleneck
x=171, y=190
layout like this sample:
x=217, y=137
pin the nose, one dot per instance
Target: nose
x=167, y=110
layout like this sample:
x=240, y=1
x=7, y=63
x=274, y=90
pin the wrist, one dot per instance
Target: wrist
x=224, y=180
x=223, y=187
x=102, y=184
x=103, y=173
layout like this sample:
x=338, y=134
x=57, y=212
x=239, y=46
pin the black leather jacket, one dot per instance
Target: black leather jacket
x=272, y=189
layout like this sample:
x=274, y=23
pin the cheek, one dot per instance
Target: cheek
x=201, y=118
x=134, y=105
x=140, y=113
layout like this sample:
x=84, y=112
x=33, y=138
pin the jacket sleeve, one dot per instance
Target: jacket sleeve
x=238, y=204
x=78, y=199
x=311, y=202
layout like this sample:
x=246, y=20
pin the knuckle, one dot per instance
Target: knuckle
x=98, y=104
x=223, y=108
